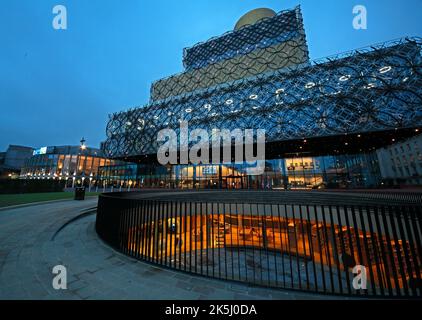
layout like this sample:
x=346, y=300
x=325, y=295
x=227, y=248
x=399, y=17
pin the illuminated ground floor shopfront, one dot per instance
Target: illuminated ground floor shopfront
x=74, y=165
x=295, y=172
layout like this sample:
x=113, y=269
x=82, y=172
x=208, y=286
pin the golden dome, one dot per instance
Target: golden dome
x=254, y=16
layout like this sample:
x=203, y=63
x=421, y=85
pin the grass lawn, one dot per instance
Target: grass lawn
x=15, y=199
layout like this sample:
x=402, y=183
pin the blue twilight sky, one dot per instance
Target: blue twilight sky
x=57, y=86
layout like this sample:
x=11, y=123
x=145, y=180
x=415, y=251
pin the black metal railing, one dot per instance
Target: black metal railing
x=310, y=247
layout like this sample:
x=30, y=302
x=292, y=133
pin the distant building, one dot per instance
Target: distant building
x=401, y=163
x=75, y=164
x=13, y=160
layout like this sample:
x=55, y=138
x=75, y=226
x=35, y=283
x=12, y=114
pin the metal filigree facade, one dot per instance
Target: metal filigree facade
x=287, y=25
x=269, y=45
x=373, y=89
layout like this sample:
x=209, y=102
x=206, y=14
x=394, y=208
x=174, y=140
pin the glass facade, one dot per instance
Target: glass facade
x=345, y=171
x=123, y=175
x=72, y=164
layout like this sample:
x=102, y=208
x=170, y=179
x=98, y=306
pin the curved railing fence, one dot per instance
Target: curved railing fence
x=311, y=247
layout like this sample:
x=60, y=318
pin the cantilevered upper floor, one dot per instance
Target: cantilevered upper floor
x=371, y=90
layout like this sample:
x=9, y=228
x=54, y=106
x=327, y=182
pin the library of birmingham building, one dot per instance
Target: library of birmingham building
x=324, y=122
x=324, y=119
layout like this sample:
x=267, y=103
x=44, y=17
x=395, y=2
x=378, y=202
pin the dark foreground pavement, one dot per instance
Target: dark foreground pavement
x=94, y=271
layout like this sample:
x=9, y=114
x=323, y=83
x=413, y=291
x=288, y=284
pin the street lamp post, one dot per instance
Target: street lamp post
x=83, y=145
x=90, y=181
x=83, y=148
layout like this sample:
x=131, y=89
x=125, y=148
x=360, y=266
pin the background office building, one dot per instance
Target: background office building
x=324, y=119
x=13, y=159
x=401, y=163
x=74, y=164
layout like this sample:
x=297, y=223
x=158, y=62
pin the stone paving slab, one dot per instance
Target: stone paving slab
x=94, y=270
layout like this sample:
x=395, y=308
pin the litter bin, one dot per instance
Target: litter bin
x=80, y=193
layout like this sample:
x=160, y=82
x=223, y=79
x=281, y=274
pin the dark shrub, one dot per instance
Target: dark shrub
x=8, y=186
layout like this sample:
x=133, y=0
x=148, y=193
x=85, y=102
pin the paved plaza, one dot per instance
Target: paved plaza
x=30, y=248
